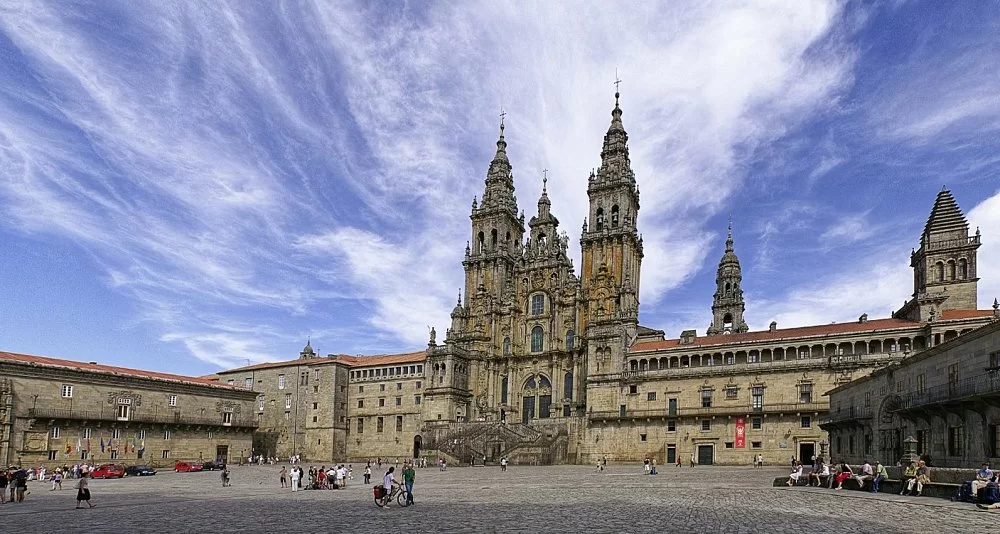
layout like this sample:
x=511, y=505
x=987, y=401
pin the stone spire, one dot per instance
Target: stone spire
x=615, y=163
x=728, y=304
x=499, y=193
x=307, y=351
x=945, y=218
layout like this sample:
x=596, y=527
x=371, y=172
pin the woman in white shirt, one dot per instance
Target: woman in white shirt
x=388, y=480
x=793, y=478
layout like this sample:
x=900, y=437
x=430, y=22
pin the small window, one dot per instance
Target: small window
x=537, y=339
x=142, y=434
x=731, y=392
x=361, y=426
x=172, y=400
x=399, y=401
x=361, y=389
x=166, y=435
x=806, y=421
x=671, y=426
x=361, y=403
x=399, y=386
x=805, y=393
x=116, y=433
x=67, y=391
x=54, y=433
x=379, y=424
x=418, y=384
x=166, y=454
x=729, y=444
x=756, y=423
x=642, y=437
x=416, y=399
x=122, y=412
x=633, y=389
x=315, y=406
x=227, y=418
x=651, y=396
x=315, y=419
x=281, y=381
x=230, y=381
x=381, y=387
x=87, y=433
x=399, y=423
x=381, y=403
x=755, y=444
x=706, y=398
x=52, y=456
x=248, y=383
x=316, y=374
x=288, y=400
x=537, y=304
x=706, y=425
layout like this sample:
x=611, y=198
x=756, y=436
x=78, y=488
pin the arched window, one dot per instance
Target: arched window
x=600, y=219
x=951, y=269
x=544, y=398
x=481, y=242
x=537, y=339
x=503, y=391
x=569, y=340
x=493, y=238
x=633, y=365
x=542, y=238
x=614, y=216
x=506, y=346
x=940, y=271
x=568, y=386
x=729, y=289
x=537, y=304
x=963, y=269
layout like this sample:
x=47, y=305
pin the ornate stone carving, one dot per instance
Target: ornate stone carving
x=227, y=406
x=115, y=396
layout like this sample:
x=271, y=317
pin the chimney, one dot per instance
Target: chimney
x=863, y=319
x=688, y=337
x=773, y=327
x=92, y=363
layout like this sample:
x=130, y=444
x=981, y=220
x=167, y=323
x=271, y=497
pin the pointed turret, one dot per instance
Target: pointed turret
x=944, y=267
x=307, y=351
x=615, y=164
x=728, y=305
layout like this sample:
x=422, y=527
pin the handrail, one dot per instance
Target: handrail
x=714, y=410
x=136, y=416
x=970, y=387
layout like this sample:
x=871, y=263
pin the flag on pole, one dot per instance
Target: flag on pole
x=102, y=443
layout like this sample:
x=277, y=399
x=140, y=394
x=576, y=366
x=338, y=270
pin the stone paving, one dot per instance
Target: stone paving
x=477, y=499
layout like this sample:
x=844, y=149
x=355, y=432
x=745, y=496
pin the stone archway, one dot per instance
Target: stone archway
x=890, y=431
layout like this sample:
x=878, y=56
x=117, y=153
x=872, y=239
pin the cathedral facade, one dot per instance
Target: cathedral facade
x=547, y=364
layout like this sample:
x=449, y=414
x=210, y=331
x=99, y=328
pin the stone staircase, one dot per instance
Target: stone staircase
x=492, y=440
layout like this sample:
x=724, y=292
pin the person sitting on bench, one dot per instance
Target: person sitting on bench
x=866, y=474
x=821, y=476
x=793, y=478
x=845, y=473
x=983, y=477
x=910, y=473
x=923, y=477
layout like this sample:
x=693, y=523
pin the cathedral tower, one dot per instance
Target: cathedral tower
x=612, y=254
x=495, y=249
x=728, y=305
x=611, y=245
x=944, y=267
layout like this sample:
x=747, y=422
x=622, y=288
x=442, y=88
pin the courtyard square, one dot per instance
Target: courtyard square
x=477, y=499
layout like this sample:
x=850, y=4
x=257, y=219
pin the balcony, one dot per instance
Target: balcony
x=135, y=416
x=969, y=390
x=851, y=415
x=663, y=413
x=834, y=361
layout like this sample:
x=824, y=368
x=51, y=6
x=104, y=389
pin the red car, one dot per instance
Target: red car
x=108, y=471
x=183, y=467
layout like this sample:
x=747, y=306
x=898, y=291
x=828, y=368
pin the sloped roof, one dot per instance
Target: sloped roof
x=350, y=361
x=784, y=333
x=44, y=361
x=954, y=315
x=945, y=215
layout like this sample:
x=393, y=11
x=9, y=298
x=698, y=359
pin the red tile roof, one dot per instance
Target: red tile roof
x=806, y=331
x=784, y=333
x=350, y=361
x=952, y=315
x=44, y=361
x=382, y=359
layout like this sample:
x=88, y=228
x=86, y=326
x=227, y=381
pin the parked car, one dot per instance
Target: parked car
x=213, y=465
x=108, y=471
x=184, y=467
x=139, y=471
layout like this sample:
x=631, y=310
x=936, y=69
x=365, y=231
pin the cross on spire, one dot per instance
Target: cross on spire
x=618, y=82
x=503, y=114
x=545, y=178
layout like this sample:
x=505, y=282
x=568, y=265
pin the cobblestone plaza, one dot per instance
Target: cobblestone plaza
x=524, y=499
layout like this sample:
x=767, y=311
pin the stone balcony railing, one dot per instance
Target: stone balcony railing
x=852, y=413
x=136, y=416
x=666, y=413
x=969, y=389
x=835, y=361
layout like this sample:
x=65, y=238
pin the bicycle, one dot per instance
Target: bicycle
x=398, y=492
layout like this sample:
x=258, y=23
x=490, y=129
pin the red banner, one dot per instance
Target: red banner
x=741, y=433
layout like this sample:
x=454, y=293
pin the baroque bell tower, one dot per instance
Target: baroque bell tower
x=728, y=304
x=612, y=252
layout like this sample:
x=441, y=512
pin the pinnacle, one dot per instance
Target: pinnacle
x=945, y=215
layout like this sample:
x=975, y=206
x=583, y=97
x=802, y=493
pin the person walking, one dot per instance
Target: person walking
x=296, y=473
x=284, y=476
x=3, y=486
x=368, y=474
x=225, y=477
x=83, y=493
x=503, y=464
x=408, y=477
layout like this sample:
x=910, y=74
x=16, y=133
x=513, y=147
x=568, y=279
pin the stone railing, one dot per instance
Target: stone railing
x=851, y=413
x=837, y=360
x=984, y=384
x=810, y=407
x=136, y=416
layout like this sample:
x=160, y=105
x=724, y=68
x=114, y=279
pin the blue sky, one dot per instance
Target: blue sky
x=190, y=186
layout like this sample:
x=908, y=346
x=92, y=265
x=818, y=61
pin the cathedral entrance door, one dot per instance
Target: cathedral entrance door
x=705, y=454
x=527, y=409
